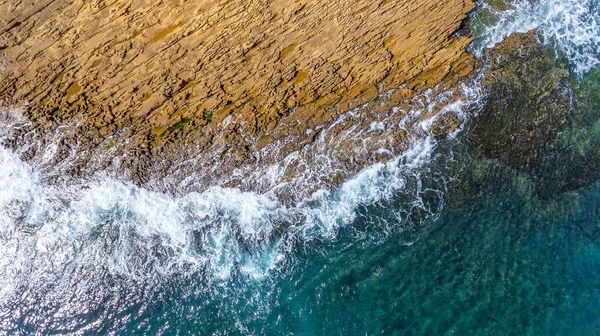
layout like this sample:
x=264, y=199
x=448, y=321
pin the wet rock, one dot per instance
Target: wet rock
x=212, y=89
x=538, y=119
x=572, y=160
x=446, y=123
x=528, y=104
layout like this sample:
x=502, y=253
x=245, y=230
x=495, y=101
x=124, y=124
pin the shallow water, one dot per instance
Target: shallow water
x=499, y=262
x=441, y=240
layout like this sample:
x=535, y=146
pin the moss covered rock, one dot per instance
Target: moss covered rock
x=529, y=101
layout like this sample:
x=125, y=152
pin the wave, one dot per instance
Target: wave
x=67, y=234
x=571, y=26
x=63, y=237
x=138, y=232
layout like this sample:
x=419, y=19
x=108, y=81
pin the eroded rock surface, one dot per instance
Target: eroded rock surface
x=210, y=90
x=529, y=100
x=538, y=115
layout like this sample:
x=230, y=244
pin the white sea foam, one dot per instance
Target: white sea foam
x=47, y=232
x=50, y=232
x=573, y=26
x=70, y=235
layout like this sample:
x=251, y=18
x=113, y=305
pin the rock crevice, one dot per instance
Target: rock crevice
x=169, y=81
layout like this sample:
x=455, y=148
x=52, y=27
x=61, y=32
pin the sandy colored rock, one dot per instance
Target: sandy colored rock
x=157, y=86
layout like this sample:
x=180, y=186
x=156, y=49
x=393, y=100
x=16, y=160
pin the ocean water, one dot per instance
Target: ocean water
x=439, y=240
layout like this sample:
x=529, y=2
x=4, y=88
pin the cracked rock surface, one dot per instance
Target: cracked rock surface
x=158, y=91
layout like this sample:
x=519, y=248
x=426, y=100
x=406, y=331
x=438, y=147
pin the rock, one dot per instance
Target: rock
x=184, y=87
x=446, y=123
x=538, y=121
x=577, y=148
x=528, y=104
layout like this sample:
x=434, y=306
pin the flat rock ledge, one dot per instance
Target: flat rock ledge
x=176, y=94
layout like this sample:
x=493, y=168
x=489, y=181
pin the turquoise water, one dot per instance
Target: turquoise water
x=444, y=240
x=499, y=260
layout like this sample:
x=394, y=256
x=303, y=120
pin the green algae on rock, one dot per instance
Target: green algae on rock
x=538, y=114
x=529, y=101
x=577, y=147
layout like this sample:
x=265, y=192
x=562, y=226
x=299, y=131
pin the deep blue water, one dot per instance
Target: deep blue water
x=499, y=261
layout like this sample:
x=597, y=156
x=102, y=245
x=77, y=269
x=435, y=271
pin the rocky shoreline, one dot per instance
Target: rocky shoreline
x=176, y=95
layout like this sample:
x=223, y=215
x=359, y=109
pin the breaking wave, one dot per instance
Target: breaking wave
x=572, y=26
x=65, y=237
x=60, y=239
x=133, y=231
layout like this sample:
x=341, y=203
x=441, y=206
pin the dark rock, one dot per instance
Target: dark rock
x=529, y=101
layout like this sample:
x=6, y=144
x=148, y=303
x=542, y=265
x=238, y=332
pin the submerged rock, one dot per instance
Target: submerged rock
x=572, y=160
x=528, y=103
x=539, y=118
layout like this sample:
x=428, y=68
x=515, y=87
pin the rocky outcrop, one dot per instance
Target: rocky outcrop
x=537, y=118
x=214, y=88
x=528, y=104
